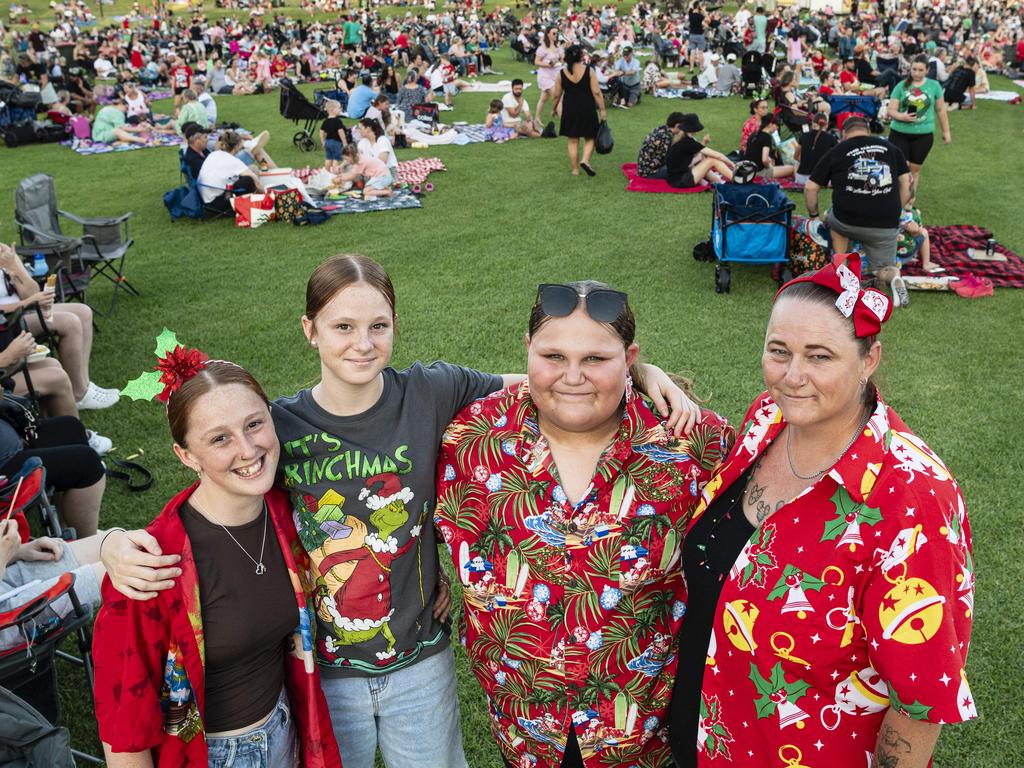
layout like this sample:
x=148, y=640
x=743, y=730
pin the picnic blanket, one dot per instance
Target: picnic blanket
x=402, y=198
x=105, y=94
x=952, y=248
x=689, y=93
x=416, y=171
x=502, y=86
x=639, y=183
x=155, y=140
x=473, y=133
x=1011, y=97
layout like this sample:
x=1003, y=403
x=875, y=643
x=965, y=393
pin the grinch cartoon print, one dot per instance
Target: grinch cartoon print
x=354, y=560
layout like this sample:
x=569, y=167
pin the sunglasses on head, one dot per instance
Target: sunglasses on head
x=602, y=304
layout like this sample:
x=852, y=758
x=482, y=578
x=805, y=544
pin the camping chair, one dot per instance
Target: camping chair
x=27, y=669
x=187, y=200
x=103, y=244
x=664, y=52
x=11, y=326
x=64, y=260
x=26, y=735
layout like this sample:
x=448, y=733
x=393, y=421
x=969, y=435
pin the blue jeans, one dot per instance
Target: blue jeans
x=412, y=714
x=272, y=745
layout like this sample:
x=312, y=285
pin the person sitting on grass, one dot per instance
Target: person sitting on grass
x=373, y=143
x=689, y=162
x=197, y=147
x=333, y=136
x=654, y=78
x=761, y=151
x=812, y=146
x=516, y=113
x=914, y=241
x=494, y=129
x=758, y=109
x=191, y=111
x=111, y=126
x=374, y=173
x=650, y=163
x=223, y=169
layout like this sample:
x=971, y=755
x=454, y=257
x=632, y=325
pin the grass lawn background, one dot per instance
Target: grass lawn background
x=466, y=266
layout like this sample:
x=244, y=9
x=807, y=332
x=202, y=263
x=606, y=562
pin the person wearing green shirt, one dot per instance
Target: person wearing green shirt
x=760, y=31
x=191, y=111
x=110, y=126
x=353, y=32
x=913, y=106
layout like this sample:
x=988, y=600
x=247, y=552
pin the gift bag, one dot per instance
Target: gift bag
x=605, y=142
x=787, y=151
x=252, y=211
x=288, y=206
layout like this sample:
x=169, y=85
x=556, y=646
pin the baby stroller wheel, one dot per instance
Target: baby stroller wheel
x=702, y=251
x=723, y=278
x=297, y=139
x=307, y=145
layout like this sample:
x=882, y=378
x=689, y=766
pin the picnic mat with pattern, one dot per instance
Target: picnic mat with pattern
x=155, y=140
x=473, y=133
x=950, y=249
x=402, y=198
x=416, y=171
x=689, y=93
x=642, y=184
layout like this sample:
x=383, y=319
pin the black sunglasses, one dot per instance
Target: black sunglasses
x=602, y=304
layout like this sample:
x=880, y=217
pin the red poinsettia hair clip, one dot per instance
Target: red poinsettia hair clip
x=869, y=308
x=175, y=365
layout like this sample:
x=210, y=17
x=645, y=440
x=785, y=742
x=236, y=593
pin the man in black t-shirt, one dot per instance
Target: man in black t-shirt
x=198, y=138
x=870, y=185
x=960, y=85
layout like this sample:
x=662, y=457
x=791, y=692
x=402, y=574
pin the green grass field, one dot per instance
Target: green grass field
x=466, y=266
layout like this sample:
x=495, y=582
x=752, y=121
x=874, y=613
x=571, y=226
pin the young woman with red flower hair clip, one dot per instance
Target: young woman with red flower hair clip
x=194, y=677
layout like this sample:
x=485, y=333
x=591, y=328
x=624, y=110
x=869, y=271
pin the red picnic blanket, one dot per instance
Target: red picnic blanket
x=951, y=249
x=639, y=183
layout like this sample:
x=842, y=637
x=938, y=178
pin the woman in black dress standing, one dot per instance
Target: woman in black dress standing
x=581, y=101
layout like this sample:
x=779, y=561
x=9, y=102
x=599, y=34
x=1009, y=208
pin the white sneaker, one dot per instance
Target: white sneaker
x=900, y=294
x=99, y=443
x=96, y=399
x=111, y=390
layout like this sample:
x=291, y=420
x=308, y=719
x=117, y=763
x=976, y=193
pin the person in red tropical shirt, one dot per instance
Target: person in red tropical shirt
x=829, y=573
x=193, y=677
x=563, y=500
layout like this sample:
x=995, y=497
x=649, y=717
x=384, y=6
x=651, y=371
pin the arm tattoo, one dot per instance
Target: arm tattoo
x=890, y=747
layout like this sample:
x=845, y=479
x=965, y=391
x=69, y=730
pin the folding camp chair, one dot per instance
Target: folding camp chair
x=103, y=244
x=11, y=326
x=27, y=669
x=26, y=735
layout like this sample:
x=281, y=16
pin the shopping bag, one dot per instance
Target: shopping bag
x=605, y=143
x=252, y=211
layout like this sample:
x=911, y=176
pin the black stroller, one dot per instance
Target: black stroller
x=297, y=108
x=751, y=72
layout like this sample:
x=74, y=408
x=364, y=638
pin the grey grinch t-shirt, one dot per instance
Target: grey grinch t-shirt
x=363, y=494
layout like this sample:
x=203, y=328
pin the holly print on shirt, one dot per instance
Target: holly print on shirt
x=853, y=598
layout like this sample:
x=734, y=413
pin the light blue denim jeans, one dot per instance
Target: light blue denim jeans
x=412, y=714
x=272, y=745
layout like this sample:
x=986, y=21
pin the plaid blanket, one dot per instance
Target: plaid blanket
x=950, y=250
x=402, y=198
x=416, y=171
x=473, y=133
x=155, y=140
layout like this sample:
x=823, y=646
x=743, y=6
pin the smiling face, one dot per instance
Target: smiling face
x=577, y=370
x=354, y=334
x=231, y=441
x=813, y=367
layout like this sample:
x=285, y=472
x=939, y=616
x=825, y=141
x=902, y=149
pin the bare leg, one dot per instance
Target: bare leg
x=588, y=150
x=80, y=507
x=544, y=97
x=840, y=243
x=926, y=251
x=73, y=322
x=52, y=385
x=915, y=175
x=573, y=147
x=122, y=135
x=783, y=171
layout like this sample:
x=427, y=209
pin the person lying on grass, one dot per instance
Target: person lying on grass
x=374, y=172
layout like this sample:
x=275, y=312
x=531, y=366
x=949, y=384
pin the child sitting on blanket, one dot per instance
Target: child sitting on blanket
x=914, y=241
x=494, y=129
x=375, y=174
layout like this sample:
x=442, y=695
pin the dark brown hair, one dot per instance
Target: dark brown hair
x=216, y=373
x=826, y=297
x=624, y=326
x=338, y=273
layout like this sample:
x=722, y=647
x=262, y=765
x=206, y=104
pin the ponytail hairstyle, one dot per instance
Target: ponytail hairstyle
x=373, y=125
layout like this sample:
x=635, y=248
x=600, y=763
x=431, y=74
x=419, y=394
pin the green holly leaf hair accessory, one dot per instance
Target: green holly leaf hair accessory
x=175, y=365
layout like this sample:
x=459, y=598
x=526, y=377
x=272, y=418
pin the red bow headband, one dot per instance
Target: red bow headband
x=869, y=308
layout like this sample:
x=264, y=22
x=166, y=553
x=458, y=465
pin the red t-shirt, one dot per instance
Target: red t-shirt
x=848, y=78
x=402, y=41
x=181, y=77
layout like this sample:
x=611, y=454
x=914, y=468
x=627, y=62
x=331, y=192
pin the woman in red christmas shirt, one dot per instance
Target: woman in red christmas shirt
x=191, y=678
x=829, y=567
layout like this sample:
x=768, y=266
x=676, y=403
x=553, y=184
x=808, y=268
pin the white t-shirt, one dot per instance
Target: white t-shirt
x=207, y=101
x=436, y=78
x=137, y=107
x=381, y=147
x=741, y=19
x=219, y=169
x=508, y=100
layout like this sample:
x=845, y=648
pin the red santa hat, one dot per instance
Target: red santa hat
x=381, y=490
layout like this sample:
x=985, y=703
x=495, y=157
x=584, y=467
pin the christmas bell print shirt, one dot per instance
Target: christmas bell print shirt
x=854, y=598
x=363, y=491
x=572, y=611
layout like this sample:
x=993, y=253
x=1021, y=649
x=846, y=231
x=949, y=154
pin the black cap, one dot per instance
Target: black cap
x=190, y=129
x=690, y=123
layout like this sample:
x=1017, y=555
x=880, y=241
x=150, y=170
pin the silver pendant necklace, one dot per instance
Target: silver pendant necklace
x=260, y=567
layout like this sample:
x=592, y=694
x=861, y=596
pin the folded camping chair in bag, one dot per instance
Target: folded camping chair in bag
x=104, y=242
x=29, y=740
x=29, y=636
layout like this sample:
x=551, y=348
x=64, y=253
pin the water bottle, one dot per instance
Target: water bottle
x=39, y=267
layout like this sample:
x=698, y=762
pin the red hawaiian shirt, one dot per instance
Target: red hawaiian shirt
x=572, y=611
x=855, y=597
x=149, y=658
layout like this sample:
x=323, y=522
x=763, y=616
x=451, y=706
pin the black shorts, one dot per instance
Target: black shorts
x=177, y=91
x=686, y=181
x=914, y=146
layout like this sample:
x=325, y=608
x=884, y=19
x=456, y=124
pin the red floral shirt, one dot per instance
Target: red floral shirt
x=572, y=611
x=855, y=597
